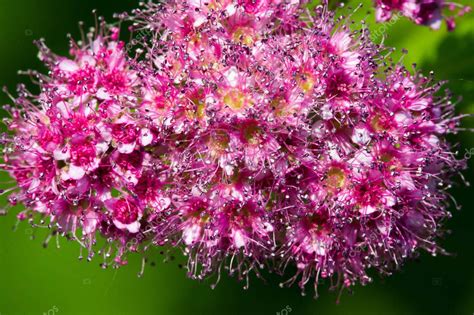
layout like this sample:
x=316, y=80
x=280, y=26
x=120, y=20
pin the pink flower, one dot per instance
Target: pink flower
x=126, y=214
x=248, y=134
x=421, y=12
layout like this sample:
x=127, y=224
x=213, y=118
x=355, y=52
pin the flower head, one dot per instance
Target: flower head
x=422, y=12
x=250, y=134
x=77, y=149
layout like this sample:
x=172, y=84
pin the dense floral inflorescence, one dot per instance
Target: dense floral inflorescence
x=251, y=134
x=423, y=12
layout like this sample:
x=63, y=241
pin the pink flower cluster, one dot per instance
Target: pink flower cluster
x=423, y=12
x=251, y=134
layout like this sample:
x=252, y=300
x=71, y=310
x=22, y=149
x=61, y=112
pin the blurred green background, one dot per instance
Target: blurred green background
x=50, y=281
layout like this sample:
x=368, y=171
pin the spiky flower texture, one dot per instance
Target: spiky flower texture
x=249, y=134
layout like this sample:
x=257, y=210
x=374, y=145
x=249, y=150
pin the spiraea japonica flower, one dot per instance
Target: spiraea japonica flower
x=249, y=134
x=422, y=12
x=78, y=146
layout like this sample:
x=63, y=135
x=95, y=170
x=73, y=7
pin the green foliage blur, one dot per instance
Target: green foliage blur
x=50, y=281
